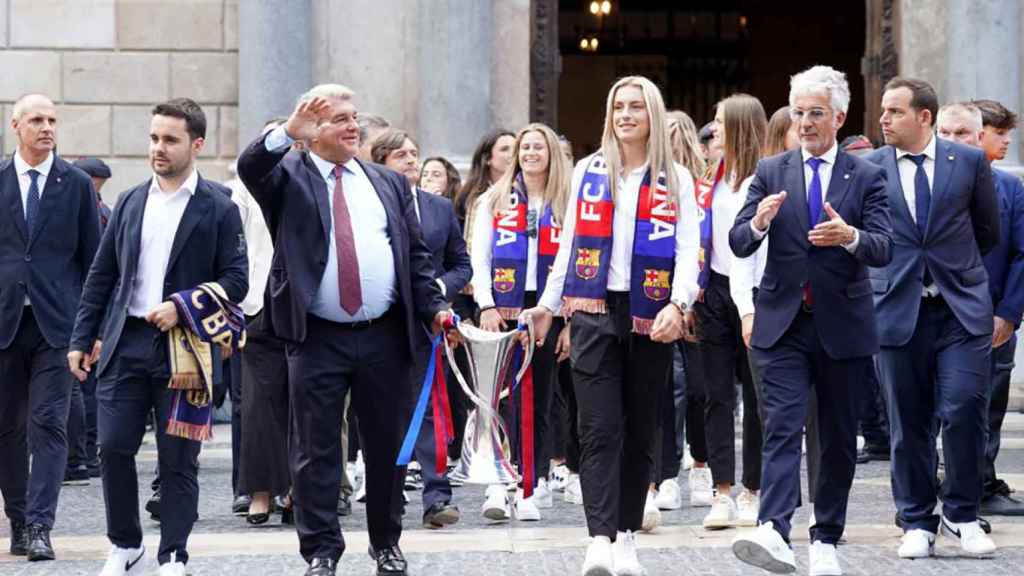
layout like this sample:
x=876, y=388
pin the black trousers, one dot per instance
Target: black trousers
x=874, y=420
x=696, y=401
x=619, y=378
x=82, y=425
x=233, y=374
x=565, y=436
x=35, y=392
x=371, y=364
x=999, y=398
x=725, y=362
x=263, y=466
x=668, y=451
x=133, y=383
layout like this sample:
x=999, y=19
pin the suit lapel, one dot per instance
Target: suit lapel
x=796, y=189
x=52, y=199
x=134, y=212
x=198, y=205
x=12, y=197
x=319, y=187
x=839, y=183
x=892, y=175
x=944, y=159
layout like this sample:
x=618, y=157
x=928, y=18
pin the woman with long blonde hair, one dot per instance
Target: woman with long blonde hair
x=515, y=235
x=626, y=274
x=682, y=135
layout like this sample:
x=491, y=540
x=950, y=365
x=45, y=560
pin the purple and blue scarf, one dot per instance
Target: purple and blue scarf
x=704, y=192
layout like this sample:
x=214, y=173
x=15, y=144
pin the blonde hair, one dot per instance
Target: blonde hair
x=556, y=189
x=745, y=128
x=659, y=153
x=682, y=136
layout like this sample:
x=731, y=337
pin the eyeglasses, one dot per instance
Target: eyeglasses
x=815, y=114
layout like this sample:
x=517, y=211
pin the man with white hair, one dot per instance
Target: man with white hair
x=349, y=313
x=827, y=217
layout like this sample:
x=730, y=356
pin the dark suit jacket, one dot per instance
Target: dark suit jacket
x=1005, y=263
x=209, y=246
x=443, y=236
x=293, y=197
x=963, y=224
x=52, y=269
x=843, y=309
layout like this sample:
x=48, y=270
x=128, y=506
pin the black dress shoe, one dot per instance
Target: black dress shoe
x=322, y=567
x=390, y=561
x=440, y=514
x=240, y=507
x=77, y=476
x=288, y=516
x=344, y=506
x=19, y=539
x=1001, y=505
x=153, y=506
x=39, y=547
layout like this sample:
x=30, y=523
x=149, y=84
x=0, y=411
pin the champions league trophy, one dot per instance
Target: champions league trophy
x=485, y=448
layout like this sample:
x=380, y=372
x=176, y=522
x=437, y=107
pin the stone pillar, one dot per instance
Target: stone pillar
x=274, y=61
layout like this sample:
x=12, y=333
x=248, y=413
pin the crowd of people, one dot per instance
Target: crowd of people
x=674, y=278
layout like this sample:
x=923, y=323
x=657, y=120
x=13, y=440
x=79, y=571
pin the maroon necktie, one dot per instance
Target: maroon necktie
x=349, y=291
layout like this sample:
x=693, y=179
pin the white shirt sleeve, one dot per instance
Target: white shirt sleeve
x=480, y=256
x=277, y=139
x=684, y=282
x=746, y=273
x=552, y=297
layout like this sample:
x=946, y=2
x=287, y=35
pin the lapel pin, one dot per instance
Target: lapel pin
x=950, y=157
x=58, y=180
x=846, y=176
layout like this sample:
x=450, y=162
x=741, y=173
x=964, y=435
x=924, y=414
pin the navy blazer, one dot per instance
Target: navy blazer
x=209, y=246
x=52, y=267
x=843, y=309
x=963, y=224
x=443, y=236
x=293, y=197
x=1005, y=263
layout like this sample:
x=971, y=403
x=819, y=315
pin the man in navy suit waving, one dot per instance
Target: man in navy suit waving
x=935, y=316
x=827, y=217
x=49, y=231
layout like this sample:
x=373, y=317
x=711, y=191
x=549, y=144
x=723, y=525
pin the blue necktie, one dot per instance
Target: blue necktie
x=814, y=193
x=32, y=202
x=922, y=202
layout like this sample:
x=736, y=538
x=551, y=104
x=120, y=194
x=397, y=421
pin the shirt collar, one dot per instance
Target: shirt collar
x=929, y=151
x=190, y=184
x=326, y=167
x=22, y=167
x=829, y=157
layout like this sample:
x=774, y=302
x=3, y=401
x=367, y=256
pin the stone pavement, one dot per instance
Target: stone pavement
x=223, y=544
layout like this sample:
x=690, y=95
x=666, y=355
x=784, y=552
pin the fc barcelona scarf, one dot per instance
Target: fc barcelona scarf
x=654, y=245
x=206, y=319
x=705, y=194
x=510, y=248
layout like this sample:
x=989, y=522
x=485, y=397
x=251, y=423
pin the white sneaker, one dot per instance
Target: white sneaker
x=822, y=560
x=624, y=555
x=687, y=459
x=701, y=493
x=360, y=495
x=652, y=516
x=573, y=490
x=973, y=540
x=917, y=543
x=747, y=505
x=764, y=548
x=722, y=513
x=526, y=508
x=558, y=477
x=125, y=562
x=598, y=561
x=172, y=569
x=668, y=497
x=495, y=506
x=542, y=495
x=811, y=520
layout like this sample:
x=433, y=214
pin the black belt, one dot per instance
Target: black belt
x=362, y=324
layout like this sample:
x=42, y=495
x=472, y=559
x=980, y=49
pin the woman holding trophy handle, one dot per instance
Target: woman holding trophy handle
x=626, y=273
x=515, y=239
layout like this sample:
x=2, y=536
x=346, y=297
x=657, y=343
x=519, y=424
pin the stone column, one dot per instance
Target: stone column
x=274, y=61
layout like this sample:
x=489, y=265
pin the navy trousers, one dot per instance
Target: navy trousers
x=999, y=398
x=133, y=383
x=35, y=392
x=82, y=425
x=943, y=373
x=789, y=370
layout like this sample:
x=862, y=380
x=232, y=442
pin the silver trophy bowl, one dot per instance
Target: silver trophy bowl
x=485, y=448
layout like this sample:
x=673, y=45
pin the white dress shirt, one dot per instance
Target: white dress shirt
x=908, y=170
x=684, y=282
x=377, y=278
x=259, y=246
x=21, y=168
x=160, y=222
x=725, y=205
x=746, y=273
x=483, y=240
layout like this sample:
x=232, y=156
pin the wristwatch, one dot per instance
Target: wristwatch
x=681, y=305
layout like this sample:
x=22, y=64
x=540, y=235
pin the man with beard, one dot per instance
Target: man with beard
x=171, y=233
